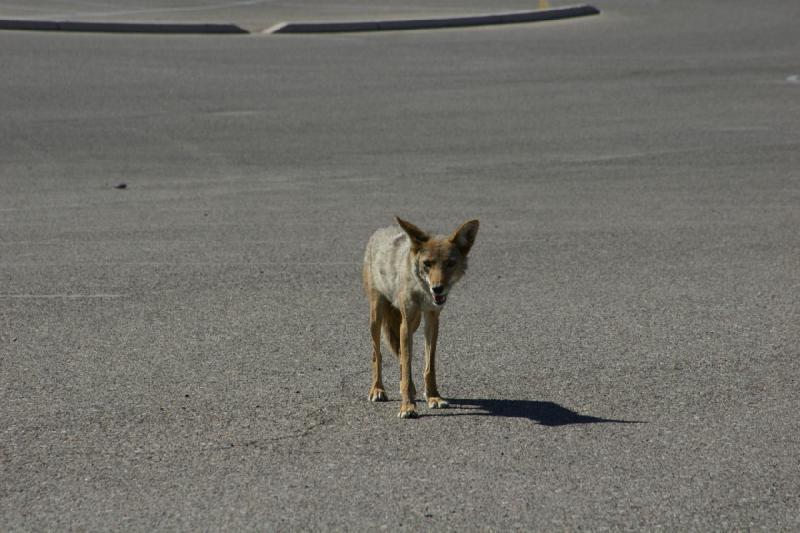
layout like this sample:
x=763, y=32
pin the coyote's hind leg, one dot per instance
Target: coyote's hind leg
x=408, y=393
x=435, y=401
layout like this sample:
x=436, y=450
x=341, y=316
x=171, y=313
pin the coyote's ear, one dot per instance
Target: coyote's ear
x=418, y=236
x=464, y=237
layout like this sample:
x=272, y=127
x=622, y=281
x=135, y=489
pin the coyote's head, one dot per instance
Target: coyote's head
x=439, y=261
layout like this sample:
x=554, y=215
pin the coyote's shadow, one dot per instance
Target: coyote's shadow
x=544, y=413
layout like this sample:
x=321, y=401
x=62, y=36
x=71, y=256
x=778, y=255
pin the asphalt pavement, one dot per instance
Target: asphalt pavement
x=183, y=337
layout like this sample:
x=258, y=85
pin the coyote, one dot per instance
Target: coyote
x=408, y=274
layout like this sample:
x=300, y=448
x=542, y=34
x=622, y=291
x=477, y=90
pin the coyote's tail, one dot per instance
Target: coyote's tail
x=391, y=328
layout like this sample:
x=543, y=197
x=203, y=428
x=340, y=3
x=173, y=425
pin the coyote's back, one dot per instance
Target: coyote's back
x=385, y=262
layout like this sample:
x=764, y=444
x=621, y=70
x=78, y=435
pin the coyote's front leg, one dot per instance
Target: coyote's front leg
x=376, y=317
x=407, y=391
x=431, y=335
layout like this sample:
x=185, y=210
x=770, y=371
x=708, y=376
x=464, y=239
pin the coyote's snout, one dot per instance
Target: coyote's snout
x=408, y=274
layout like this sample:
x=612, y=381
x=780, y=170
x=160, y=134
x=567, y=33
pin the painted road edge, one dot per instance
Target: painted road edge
x=119, y=27
x=514, y=17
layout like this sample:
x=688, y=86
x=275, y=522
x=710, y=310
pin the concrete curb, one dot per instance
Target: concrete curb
x=120, y=27
x=515, y=17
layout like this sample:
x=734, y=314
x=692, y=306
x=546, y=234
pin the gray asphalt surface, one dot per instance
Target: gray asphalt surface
x=191, y=352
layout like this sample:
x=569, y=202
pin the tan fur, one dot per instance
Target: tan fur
x=408, y=274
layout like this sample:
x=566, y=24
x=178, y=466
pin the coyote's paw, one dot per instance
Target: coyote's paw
x=407, y=411
x=377, y=394
x=435, y=402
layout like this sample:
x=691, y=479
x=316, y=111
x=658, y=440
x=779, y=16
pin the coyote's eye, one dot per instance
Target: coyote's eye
x=427, y=264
